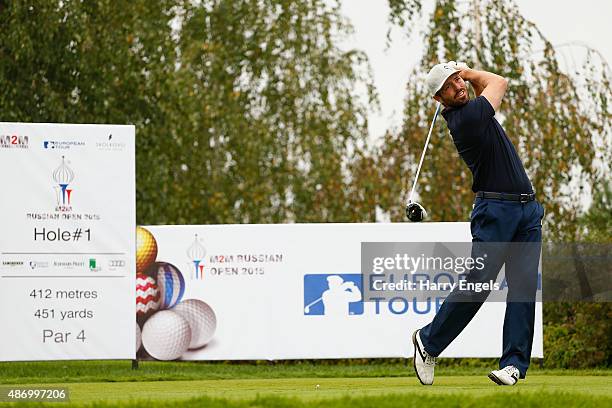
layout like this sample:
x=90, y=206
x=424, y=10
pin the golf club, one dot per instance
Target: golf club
x=307, y=308
x=314, y=302
x=415, y=211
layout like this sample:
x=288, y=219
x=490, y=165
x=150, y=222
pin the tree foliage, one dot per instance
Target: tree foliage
x=562, y=131
x=596, y=224
x=245, y=109
x=273, y=112
x=72, y=61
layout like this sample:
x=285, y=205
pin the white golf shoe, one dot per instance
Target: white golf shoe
x=508, y=375
x=423, y=363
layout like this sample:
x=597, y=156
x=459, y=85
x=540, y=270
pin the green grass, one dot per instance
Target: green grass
x=114, y=383
x=540, y=390
x=120, y=371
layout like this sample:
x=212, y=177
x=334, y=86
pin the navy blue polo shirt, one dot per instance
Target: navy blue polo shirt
x=484, y=146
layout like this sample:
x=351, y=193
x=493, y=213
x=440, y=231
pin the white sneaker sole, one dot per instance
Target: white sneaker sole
x=496, y=380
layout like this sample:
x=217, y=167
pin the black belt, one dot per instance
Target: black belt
x=523, y=198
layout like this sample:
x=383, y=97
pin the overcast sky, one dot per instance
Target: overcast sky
x=561, y=21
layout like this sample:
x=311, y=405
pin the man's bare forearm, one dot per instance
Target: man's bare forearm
x=493, y=85
x=479, y=79
x=478, y=87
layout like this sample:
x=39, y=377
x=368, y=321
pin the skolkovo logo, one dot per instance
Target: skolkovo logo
x=109, y=145
x=63, y=176
x=333, y=294
x=196, y=253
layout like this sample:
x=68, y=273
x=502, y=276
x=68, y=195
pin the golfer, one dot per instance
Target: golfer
x=504, y=211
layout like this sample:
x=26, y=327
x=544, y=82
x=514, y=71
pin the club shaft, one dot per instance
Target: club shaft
x=416, y=177
x=313, y=303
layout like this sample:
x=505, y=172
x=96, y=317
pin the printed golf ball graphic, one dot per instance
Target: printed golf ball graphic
x=170, y=326
x=146, y=249
x=166, y=335
x=201, y=319
x=170, y=282
x=147, y=296
x=138, y=337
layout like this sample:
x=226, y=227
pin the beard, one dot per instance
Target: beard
x=456, y=102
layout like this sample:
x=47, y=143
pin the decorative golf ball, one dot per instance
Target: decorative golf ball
x=166, y=335
x=201, y=319
x=170, y=282
x=146, y=249
x=147, y=296
x=138, y=337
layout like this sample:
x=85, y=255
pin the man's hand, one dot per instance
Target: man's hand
x=463, y=67
x=458, y=65
x=464, y=73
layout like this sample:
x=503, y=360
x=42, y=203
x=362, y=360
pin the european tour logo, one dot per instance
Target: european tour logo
x=333, y=294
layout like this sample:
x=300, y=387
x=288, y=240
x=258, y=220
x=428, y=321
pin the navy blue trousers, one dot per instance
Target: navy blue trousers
x=518, y=225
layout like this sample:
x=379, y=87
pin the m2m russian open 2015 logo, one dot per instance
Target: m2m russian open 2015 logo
x=14, y=142
x=196, y=253
x=333, y=294
x=63, y=176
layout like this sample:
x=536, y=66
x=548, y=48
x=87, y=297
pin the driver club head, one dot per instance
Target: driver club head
x=415, y=212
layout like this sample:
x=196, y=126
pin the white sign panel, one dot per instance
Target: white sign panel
x=67, y=242
x=222, y=292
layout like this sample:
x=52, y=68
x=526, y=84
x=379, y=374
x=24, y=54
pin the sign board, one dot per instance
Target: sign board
x=265, y=292
x=67, y=243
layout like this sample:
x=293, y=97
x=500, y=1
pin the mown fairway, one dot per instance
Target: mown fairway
x=387, y=385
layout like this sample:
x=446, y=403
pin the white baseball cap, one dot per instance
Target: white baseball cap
x=439, y=74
